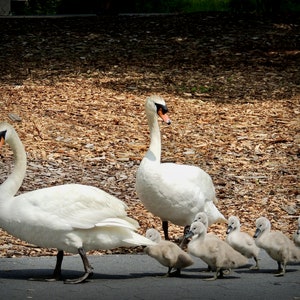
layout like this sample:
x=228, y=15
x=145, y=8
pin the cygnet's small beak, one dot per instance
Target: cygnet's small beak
x=257, y=233
x=188, y=234
x=229, y=229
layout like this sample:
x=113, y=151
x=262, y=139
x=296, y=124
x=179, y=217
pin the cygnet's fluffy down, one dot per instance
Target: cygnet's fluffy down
x=241, y=241
x=215, y=252
x=167, y=253
x=276, y=244
x=202, y=217
x=297, y=235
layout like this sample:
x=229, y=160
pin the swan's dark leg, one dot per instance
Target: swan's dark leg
x=57, y=271
x=87, y=268
x=165, y=226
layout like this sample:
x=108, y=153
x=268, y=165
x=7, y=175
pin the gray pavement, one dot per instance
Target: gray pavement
x=136, y=277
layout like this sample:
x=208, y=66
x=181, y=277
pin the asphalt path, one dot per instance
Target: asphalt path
x=139, y=277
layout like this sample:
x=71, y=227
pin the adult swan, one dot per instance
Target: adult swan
x=173, y=192
x=72, y=217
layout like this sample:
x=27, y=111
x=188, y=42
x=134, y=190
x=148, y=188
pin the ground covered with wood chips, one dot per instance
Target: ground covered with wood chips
x=74, y=89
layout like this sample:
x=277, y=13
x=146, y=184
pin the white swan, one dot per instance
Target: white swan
x=276, y=244
x=215, y=252
x=72, y=217
x=167, y=253
x=241, y=241
x=171, y=191
x=296, y=235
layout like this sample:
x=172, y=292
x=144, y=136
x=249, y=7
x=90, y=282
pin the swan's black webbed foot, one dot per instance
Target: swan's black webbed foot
x=87, y=268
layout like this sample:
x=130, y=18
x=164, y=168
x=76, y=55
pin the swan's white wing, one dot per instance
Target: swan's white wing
x=183, y=178
x=67, y=206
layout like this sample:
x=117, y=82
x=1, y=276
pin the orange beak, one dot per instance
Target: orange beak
x=2, y=141
x=164, y=117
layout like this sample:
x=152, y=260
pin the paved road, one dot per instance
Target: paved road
x=136, y=277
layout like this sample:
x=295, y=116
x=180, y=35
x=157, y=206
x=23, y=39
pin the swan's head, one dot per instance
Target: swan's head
x=155, y=105
x=196, y=229
x=2, y=137
x=262, y=224
x=233, y=224
x=201, y=217
x=7, y=134
x=6, y=131
x=153, y=235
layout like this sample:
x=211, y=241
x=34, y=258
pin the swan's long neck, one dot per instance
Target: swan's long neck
x=13, y=182
x=154, y=151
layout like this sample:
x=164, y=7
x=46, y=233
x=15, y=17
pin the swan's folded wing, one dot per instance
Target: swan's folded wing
x=176, y=174
x=72, y=205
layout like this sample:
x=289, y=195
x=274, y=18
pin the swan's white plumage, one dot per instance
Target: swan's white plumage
x=67, y=217
x=171, y=191
x=296, y=235
x=241, y=241
x=276, y=244
x=167, y=253
x=216, y=253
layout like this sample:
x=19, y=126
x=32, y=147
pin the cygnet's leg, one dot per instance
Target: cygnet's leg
x=208, y=269
x=57, y=271
x=165, y=226
x=167, y=274
x=281, y=270
x=218, y=274
x=87, y=268
x=176, y=273
x=171, y=274
x=256, y=267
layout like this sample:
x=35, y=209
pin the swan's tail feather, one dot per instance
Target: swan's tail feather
x=213, y=214
x=138, y=240
x=116, y=222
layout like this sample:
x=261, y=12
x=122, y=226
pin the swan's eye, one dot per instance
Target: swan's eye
x=163, y=108
x=3, y=134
